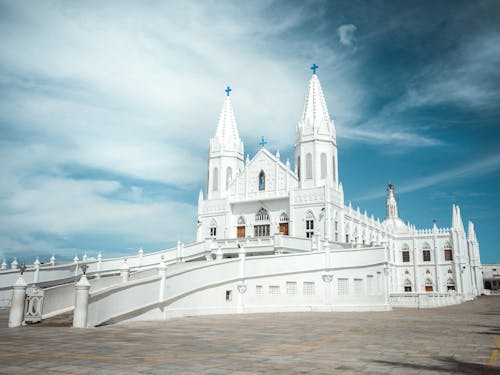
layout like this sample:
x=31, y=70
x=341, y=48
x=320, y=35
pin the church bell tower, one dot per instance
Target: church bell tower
x=316, y=147
x=225, y=156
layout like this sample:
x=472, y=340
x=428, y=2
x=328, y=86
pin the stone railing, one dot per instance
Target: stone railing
x=424, y=300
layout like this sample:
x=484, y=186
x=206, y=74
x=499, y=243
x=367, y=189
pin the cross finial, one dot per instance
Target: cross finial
x=314, y=67
x=262, y=142
x=228, y=90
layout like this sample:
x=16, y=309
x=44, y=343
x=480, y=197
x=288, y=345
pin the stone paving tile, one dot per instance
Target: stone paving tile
x=456, y=339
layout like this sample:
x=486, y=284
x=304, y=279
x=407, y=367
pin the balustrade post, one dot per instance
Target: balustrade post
x=52, y=260
x=125, y=271
x=81, y=302
x=16, y=315
x=178, y=252
x=219, y=254
x=141, y=254
x=99, y=264
x=75, y=261
x=162, y=272
x=36, y=275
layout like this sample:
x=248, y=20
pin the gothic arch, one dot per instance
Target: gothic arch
x=407, y=285
x=215, y=179
x=450, y=284
x=241, y=221
x=213, y=228
x=323, y=165
x=262, y=215
x=309, y=166
x=262, y=181
x=309, y=224
x=229, y=176
x=283, y=218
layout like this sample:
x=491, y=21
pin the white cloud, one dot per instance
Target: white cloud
x=476, y=168
x=468, y=77
x=399, y=139
x=346, y=34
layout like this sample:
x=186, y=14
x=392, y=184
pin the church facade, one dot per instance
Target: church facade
x=263, y=196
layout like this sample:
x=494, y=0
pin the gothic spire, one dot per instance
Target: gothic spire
x=471, y=232
x=391, y=205
x=315, y=113
x=227, y=131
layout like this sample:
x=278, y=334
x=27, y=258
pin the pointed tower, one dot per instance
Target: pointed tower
x=315, y=147
x=225, y=156
x=391, y=204
x=392, y=220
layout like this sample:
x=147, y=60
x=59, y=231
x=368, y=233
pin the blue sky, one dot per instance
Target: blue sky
x=106, y=110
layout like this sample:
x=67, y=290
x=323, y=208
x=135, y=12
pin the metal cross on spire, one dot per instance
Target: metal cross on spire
x=262, y=142
x=228, y=90
x=314, y=67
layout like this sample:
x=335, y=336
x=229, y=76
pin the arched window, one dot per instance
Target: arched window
x=426, y=252
x=448, y=252
x=284, y=224
x=405, y=252
x=428, y=285
x=407, y=285
x=262, y=215
x=450, y=271
x=213, y=228
x=323, y=166
x=229, y=176
x=309, y=166
x=450, y=284
x=262, y=180
x=298, y=167
x=262, y=223
x=309, y=224
x=240, y=228
x=215, y=179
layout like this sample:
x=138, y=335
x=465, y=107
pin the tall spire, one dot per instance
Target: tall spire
x=391, y=205
x=471, y=232
x=227, y=131
x=456, y=220
x=392, y=220
x=315, y=113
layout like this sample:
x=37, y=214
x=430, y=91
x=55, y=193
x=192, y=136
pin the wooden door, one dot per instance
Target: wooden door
x=241, y=232
x=284, y=229
x=428, y=288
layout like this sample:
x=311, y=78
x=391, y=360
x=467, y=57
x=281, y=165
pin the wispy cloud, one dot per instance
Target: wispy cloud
x=346, y=34
x=400, y=139
x=476, y=168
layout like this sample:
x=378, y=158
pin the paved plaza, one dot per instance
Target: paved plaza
x=462, y=339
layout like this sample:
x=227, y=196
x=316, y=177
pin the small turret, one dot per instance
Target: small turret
x=391, y=205
x=392, y=220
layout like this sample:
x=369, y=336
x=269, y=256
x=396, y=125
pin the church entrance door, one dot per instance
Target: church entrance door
x=241, y=232
x=284, y=229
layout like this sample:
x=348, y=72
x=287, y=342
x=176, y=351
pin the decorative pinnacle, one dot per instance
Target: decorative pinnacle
x=228, y=90
x=314, y=67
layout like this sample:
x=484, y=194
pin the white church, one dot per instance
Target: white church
x=263, y=196
x=269, y=239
